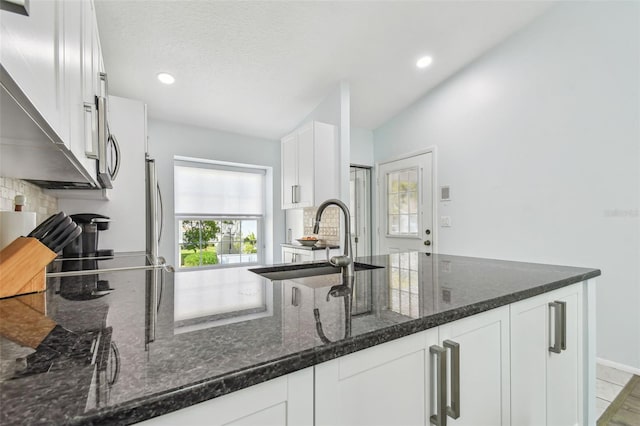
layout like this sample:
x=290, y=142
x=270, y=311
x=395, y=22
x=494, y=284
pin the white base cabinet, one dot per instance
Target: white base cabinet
x=286, y=400
x=293, y=255
x=397, y=383
x=493, y=368
x=383, y=385
x=483, y=371
x=547, y=362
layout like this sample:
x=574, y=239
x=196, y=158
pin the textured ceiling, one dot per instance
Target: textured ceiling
x=259, y=68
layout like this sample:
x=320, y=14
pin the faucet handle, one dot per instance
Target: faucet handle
x=340, y=261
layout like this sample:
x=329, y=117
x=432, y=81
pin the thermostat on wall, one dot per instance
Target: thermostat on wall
x=445, y=193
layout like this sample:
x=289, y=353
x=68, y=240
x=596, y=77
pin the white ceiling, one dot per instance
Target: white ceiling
x=259, y=68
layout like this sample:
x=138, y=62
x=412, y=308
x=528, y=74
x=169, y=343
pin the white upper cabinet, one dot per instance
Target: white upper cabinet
x=51, y=61
x=80, y=105
x=29, y=47
x=309, y=158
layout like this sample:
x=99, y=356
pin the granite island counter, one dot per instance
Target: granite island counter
x=123, y=347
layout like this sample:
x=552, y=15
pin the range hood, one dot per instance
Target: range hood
x=30, y=149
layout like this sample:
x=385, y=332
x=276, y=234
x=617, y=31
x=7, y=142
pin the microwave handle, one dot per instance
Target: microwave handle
x=116, y=149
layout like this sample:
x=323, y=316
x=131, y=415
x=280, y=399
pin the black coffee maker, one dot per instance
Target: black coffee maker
x=86, y=245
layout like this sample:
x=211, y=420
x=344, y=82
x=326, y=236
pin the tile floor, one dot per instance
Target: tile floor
x=609, y=383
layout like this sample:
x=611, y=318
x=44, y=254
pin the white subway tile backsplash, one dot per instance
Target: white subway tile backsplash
x=329, y=226
x=37, y=201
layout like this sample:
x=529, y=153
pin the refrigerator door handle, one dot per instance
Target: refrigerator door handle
x=160, y=218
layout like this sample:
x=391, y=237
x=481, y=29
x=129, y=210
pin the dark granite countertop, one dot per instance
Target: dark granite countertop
x=121, y=347
x=317, y=247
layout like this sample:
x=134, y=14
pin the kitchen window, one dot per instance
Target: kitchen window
x=219, y=210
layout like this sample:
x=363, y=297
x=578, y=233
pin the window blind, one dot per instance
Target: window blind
x=213, y=191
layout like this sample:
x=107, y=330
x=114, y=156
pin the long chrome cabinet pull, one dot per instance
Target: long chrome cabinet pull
x=295, y=298
x=557, y=326
x=563, y=317
x=440, y=417
x=454, y=409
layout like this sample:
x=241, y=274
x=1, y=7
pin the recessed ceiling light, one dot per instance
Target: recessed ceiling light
x=166, y=78
x=424, y=62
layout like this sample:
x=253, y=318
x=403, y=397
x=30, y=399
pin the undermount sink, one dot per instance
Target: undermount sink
x=300, y=270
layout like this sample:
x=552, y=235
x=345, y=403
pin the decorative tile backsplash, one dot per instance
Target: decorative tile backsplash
x=37, y=201
x=329, y=226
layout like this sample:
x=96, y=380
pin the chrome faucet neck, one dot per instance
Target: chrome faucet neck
x=348, y=270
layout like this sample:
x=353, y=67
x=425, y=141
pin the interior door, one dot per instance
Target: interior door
x=406, y=204
x=360, y=208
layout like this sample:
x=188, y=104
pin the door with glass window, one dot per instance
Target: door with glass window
x=406, y=204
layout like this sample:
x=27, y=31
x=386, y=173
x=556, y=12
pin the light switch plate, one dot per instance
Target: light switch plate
x=445, y=221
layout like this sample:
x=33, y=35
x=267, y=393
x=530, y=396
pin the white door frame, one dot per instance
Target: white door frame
x=434, y=191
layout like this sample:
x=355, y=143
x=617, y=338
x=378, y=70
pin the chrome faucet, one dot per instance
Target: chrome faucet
x=345, y=262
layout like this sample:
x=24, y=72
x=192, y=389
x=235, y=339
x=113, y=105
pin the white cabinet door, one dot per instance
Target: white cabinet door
x=289, y=158
x=306, y=166
x=287, y=255
x=286, y=400
x=29, y=52
x=547, y=386
x=292, y=255
x=78, y=112
x=309, y=163
x=383, y=385
x=483, y=342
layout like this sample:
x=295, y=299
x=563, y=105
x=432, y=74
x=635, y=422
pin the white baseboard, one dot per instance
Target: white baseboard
x=618, y=366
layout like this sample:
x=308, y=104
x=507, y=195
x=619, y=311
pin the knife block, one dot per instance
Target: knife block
x=22, y=267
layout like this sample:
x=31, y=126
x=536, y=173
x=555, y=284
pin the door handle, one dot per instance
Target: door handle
x=160, y=218
x=559, y=327
x=440, y=373
x=454, y=410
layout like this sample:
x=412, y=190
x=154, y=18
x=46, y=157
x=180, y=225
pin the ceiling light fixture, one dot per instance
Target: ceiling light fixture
x=424, y=62
x=166, y=78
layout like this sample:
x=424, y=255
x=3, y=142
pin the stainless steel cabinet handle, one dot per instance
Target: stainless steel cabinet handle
x=454, y=409
x=558, y=308
x=440, y=373
x=563, y=317
x=293, y=194
x=295, y=296
x=104, y=84
x=89, y=142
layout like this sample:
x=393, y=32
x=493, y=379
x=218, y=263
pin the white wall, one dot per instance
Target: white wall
x=540, y=142
x=361, y=147
x=126, y=205
x=167, y=140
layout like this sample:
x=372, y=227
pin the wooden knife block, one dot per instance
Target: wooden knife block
x=22, y=267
